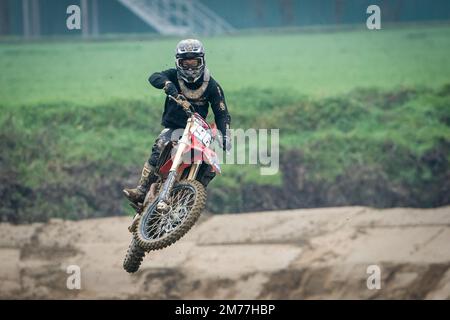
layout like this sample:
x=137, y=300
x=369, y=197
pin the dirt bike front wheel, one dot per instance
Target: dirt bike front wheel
x=158, y=229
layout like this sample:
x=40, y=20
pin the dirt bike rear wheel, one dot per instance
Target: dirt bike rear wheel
x=157, y=230
x=134, y=257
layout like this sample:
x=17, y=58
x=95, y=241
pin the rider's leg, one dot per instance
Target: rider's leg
x=164, y=137
x=138, y=194
x=205, y=174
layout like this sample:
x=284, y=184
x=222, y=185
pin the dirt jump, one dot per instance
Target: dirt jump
x=322, y=253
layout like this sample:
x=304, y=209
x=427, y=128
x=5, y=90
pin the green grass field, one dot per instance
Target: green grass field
x=78, y=115
x=319, y=64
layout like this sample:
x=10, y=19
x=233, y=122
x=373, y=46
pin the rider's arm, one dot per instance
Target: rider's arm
x=219, y=107
x=159, y=79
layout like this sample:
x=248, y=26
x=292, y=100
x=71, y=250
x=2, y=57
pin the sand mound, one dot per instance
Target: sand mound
x=297, y=254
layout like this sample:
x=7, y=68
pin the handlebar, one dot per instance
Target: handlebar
x=187, y=107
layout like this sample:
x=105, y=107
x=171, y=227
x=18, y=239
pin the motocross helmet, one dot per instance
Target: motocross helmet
x=190, y=60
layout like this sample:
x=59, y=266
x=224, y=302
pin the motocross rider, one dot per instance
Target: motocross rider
x=192, y=81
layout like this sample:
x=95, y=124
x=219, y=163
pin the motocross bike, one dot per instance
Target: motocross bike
x=177, y=195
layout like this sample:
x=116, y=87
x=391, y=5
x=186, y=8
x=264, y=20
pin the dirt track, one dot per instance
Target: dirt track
x=298, y=254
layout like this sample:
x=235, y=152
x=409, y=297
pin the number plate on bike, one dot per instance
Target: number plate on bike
x=201, y=134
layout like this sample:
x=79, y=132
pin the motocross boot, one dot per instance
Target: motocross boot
x=137, y=194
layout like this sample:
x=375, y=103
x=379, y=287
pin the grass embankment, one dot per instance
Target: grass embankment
x=78, y=119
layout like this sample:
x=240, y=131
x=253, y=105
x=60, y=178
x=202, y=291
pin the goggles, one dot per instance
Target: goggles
x=192, y=63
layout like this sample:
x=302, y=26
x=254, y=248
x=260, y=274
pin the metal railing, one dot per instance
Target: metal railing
x=178, y=17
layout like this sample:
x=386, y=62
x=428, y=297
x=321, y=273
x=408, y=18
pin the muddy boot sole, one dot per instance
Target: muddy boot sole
x=133, y=199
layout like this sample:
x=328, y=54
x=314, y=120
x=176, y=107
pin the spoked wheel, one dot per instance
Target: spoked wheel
x=158, y=229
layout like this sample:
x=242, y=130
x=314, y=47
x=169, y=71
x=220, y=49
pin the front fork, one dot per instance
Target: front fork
x=172, y=177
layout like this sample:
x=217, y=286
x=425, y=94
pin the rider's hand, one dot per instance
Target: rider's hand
x=226, y=143
x=170, y=89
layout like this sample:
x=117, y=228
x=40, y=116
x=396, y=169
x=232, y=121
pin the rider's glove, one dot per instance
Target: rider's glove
x=170, y=89
x=226, y=143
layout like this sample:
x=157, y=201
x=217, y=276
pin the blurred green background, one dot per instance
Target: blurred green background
x=363, y=117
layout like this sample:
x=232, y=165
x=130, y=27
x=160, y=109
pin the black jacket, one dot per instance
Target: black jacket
x=175, y=117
